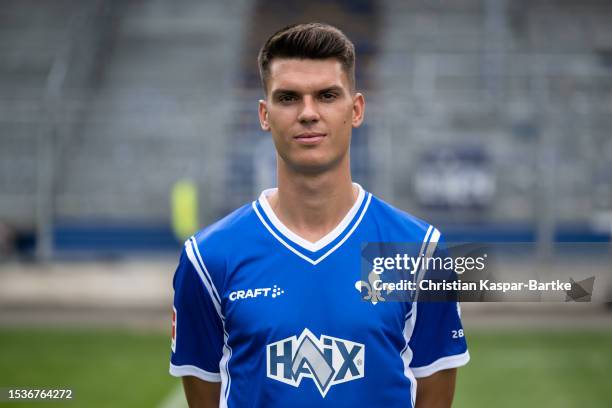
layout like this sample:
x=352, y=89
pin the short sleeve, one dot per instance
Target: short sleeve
x=438, y=340
x=197, y=330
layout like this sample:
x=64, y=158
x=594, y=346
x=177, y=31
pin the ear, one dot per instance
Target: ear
x=358, y=109
x=263, y=115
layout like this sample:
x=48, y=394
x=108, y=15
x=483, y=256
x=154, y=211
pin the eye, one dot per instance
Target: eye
x=328, y=96
x=287, y=98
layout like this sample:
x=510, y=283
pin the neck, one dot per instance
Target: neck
x=311, y=205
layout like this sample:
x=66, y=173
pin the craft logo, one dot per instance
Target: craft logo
x=273, y=292
x=327, y=361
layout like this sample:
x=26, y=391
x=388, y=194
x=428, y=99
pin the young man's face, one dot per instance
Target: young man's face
x=310, y=111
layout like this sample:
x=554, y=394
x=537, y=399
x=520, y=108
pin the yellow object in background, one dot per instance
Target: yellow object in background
x=184, y=203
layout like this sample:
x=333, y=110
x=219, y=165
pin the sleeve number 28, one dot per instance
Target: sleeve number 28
x=457, y=333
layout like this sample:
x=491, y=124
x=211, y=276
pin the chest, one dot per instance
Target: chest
x=272, y=297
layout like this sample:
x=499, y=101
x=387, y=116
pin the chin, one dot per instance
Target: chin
x=314, y=165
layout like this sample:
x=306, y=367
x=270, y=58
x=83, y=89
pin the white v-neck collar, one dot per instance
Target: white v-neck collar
x=324, y=241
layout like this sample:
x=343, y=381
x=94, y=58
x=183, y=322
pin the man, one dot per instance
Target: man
x=265, y=312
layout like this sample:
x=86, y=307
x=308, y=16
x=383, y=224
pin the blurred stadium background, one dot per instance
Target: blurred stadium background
x=124, y=125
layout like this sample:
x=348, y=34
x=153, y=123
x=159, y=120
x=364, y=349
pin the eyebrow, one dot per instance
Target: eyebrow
x=279, y=92
x=334, y=88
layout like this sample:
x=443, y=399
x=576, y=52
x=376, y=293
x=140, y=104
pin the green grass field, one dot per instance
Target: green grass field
x=127, y=369
x=104, y=368
x=537, y=369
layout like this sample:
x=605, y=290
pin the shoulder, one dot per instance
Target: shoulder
x=228, y=227
x=210, y=249
x=396, y=221
x=226, y=233
x=395, y=225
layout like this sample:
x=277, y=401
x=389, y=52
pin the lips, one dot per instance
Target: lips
x=309, y=138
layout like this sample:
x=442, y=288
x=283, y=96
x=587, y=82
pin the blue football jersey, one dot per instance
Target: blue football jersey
x=280, y=321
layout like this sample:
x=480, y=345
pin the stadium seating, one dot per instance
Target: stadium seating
x=125, y=98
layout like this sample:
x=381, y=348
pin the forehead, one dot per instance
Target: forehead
x=306, y=74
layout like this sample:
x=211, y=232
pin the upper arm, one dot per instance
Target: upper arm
x=437, y=340
x=437, y=390
x=438, y=345
x=201, y=394
x=198, y=336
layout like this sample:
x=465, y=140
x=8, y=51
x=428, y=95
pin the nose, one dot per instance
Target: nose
x=309, y=112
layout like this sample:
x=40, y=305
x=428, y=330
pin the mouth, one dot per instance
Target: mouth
x=309, y=138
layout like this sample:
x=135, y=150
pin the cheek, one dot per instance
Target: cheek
x=337, y=115
x=347, y=117
x=280, y=120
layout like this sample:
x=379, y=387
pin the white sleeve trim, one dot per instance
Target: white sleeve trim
x=181, y=371
x=440, y=364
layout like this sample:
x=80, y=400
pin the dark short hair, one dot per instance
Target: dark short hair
x=308, y=41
